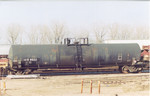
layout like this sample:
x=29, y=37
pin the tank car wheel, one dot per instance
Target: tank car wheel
x=27, y=71
x=19, y=73
x=139, y=71
x=125, y=69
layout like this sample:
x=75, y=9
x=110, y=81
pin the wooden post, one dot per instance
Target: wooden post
x=81, y=86
x=98, y=87
x=4, y=87
x=91, y=87
x=0, y=88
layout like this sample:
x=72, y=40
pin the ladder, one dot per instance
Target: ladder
x=79, y=56
x=78, y=43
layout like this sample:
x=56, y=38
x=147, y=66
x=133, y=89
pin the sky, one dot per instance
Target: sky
x=75, y=14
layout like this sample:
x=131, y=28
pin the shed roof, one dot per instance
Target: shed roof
x=140, y=42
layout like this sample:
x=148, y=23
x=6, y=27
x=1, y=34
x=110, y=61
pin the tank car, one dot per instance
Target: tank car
x=79, y=55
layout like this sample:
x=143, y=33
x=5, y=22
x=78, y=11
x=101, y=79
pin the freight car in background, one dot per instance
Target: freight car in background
x=145, y=55
x=4, y=51
x=74, y=54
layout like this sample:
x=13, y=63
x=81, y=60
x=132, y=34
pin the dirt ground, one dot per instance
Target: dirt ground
x=70, y=85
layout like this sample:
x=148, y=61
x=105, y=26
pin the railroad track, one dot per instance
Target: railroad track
x=86, y=72
x=102, y=74
x=48, y=74
x=80, y=72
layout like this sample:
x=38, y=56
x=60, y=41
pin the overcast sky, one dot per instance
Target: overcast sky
x=73, y=13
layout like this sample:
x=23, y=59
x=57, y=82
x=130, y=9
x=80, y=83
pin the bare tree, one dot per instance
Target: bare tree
x=121, y=32
x=147, y=33
x=34, y=35
x=14, y=32
x=114, y=31
x=81, y=33
x=125, y=32
x=49, y=37
x=46, y=35
x=142, y=32
x=44, y=32
x=59, y=31
x=39, y=34
x=100, y=33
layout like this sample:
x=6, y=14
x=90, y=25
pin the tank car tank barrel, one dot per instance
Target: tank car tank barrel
x=33, y=57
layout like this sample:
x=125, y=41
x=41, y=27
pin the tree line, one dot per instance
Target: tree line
x=56, y=32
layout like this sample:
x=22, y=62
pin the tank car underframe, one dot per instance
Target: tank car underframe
x=136, y=68
x=123, y=68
